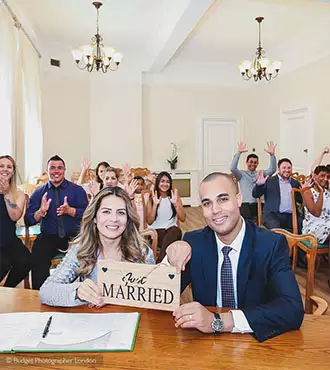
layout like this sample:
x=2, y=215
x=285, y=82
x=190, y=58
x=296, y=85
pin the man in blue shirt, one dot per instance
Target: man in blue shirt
x=277, y=212
x=58, y=206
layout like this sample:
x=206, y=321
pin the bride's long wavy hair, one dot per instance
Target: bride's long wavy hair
x=133, y=245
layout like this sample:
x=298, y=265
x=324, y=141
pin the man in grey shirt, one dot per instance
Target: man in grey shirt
x=247, y=178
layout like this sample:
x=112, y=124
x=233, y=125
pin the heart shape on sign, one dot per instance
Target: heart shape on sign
x=171, y=276
x=104, y=269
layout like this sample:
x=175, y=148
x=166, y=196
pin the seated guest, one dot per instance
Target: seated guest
x=141, y=198
x=58, y=206
x=317, y=206
x=15, y=259
x=277, y=212
x=248, y=178
x=109, y=230
x=234, y=264
x=164, y=210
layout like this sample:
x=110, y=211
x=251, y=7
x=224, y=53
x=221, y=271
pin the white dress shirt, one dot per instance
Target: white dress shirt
x=241, y=324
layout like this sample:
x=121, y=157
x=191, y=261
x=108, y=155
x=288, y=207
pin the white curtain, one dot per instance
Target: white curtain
x=20, y=100
x=8, y=67
x=31, y=110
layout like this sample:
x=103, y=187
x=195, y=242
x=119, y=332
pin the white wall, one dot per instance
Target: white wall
x=115, y=121
x=124, y=121
x=65, y=119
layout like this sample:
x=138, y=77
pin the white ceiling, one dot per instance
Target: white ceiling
x=229, y=33
x=166, y=36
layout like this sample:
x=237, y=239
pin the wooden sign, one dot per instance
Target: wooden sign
x=139, y=285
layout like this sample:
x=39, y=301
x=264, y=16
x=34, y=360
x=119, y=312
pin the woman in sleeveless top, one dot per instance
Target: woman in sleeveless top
x=317, y=206
x=164, y=211
x=15, y=259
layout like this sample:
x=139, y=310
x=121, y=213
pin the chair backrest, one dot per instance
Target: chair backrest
x=154, y=239
x=27, y=188
x=297, y=208
x=294, y=239
x=140, y=171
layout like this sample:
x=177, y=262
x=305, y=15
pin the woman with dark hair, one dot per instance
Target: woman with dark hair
x=164, y=210
x=14, y=256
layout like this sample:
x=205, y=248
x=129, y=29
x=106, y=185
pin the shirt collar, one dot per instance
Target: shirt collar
x=64, y=184
x=237, y=242
x=282, y=180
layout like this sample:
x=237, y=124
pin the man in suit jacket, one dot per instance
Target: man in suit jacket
x=238, y=265
x=277, y=211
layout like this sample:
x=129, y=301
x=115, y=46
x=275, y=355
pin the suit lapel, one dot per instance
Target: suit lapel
x=210, y=265
x=244, y=263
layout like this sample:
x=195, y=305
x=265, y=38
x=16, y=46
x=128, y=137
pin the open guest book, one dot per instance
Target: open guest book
x=67, y=332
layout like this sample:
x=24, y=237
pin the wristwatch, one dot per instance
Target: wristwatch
x=217, y=324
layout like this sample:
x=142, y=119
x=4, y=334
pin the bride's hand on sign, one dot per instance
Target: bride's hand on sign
x=178, y=255
x=88, y=291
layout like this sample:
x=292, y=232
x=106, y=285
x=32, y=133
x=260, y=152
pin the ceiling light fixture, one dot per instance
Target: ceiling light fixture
x=261, y=67
x=96, y=56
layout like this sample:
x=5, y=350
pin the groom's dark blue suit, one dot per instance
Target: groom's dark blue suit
x=267, y=290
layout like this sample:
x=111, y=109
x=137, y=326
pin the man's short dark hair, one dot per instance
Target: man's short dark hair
x=282, y=160
x=56, y=158
x=138, y=178
x=321, y=168
x=214, y=175
x=252, y=155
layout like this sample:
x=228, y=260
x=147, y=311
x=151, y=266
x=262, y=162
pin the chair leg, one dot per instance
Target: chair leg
x=318, y=262
x=310, y=282
x=294, y=257
x=27, y=282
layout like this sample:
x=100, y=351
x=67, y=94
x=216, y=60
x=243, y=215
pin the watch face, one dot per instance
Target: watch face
x=217, y=325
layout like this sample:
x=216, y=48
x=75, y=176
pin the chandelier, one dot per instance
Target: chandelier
x=96, y=56
x=261, y=67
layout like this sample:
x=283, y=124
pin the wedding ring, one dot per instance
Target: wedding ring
x=190, y=317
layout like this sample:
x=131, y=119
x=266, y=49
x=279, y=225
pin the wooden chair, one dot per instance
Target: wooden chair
x=27, y=189
x=140, y=171
x=308, y=243
x=154, y=239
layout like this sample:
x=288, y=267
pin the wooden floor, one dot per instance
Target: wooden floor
x=195, y=220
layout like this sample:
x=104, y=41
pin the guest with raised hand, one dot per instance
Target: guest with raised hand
x=317, y=206
x=109, y=230
x=84, y=174
x=247, y=178
x=15, y=259
x=318, y=161
x=277, y=211
x=100, y=172
x=58, y=206
x=164, y=210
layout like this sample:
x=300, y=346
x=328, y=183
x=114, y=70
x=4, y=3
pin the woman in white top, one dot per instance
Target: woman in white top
x=317, y=206
x=164, y=211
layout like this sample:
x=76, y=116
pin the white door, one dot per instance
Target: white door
x=219, y=142
x=296, y=137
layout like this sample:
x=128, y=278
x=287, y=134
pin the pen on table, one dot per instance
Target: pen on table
x=46, y=330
